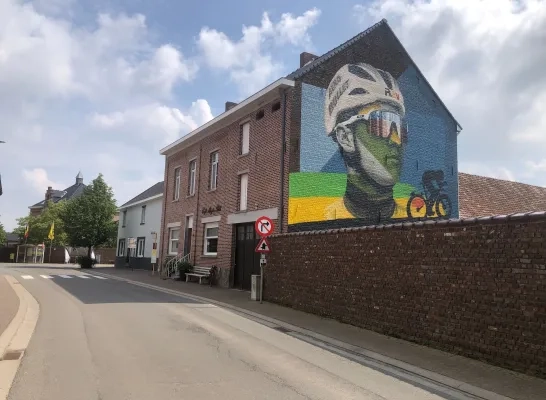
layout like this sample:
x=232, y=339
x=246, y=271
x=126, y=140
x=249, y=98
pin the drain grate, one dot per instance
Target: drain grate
x=282, y=329
x=12, y=355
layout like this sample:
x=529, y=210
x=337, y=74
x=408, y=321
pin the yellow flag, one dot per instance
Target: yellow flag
x=51, y=235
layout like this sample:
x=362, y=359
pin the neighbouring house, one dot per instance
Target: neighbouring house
x=139, y=225
x=12, y=240
x=480, y=196
x=354, y=137
x=59, y=195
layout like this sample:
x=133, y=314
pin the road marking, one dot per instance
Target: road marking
x=99, y=277
x=66, y=276
x=83, y=276
x=26, y=277
x=46, y=276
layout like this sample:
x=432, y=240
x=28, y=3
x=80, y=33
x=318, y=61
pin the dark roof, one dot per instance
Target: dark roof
x=319, y=60
x=12, y=237
x=150, y=192
x=480, y=196
x=57, y=195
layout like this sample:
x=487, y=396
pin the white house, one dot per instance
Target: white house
x=139, y=229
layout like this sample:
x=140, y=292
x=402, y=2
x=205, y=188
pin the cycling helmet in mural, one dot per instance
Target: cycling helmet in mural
x=356, y=86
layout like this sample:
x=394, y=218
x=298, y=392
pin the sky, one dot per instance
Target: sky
x=100, y=86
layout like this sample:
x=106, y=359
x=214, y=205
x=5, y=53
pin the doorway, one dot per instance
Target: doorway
x=188, y=229
x=247, y=261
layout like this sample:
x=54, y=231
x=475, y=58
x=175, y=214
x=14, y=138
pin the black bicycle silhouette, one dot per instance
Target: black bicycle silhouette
x=434, y=202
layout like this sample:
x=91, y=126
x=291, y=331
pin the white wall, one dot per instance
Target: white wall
x=133, y=228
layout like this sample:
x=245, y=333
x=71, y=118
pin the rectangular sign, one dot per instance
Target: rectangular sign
x=131, y=243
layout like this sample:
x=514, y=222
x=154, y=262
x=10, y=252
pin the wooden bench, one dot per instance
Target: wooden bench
x=200, y=272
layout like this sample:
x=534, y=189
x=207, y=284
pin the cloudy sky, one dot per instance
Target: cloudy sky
x=102, y=85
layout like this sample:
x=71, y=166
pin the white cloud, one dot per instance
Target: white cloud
x=485, y=60
x=250, y=64
x=155, y=122
x=38, y=180
x=54, y=74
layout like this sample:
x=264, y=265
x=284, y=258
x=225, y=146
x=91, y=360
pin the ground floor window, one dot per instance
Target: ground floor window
x=121, y=248
x=174, y=235
x=140, y=247
x=211, y=239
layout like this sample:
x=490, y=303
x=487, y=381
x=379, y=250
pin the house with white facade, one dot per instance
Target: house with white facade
x=139, y=228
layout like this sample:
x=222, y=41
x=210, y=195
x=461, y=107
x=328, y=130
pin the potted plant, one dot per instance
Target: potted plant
x=182, y=267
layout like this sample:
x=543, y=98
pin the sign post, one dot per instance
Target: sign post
x=264, y=227
x=154, y=252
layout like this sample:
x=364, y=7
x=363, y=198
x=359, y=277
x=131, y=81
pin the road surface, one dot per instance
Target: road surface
x=102, y=339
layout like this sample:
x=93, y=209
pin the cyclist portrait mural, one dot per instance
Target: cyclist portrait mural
x=372, y=152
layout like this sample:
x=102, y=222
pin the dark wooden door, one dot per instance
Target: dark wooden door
x=247, y=261
x=187, y=241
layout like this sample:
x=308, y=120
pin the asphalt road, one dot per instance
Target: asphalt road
x=101, y=339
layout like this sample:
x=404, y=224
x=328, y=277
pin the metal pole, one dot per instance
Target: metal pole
x=50, y=246
x=262, y=262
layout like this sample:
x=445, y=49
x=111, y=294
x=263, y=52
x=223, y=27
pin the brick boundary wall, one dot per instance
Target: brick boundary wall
x=474, y=287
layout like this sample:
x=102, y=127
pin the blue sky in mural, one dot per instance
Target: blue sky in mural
x=94, y=85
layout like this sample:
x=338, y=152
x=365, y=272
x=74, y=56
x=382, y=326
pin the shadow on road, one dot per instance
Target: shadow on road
x=73, y=268
x=95, y=291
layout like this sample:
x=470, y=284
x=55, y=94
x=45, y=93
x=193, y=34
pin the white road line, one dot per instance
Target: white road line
x=65, y=276
x=99, y=277
x=27, y=277
x=46, y=276
x=83, y=276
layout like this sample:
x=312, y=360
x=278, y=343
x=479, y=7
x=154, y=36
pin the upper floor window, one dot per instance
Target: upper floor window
x=143, y=215
x=191, y=180
x=243, y=192
x=214, y=157
x=176, y=193
x=124, y=218
x=245, y=138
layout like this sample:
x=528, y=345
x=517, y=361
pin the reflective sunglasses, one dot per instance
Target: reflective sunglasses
x=380, y=123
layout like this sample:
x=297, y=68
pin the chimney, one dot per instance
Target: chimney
x=230, y=105
x=306, y=58
x=48, y=193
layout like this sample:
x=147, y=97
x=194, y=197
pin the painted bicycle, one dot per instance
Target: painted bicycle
x=433, y=202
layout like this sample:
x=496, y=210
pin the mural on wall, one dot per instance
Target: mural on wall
x=360, y=154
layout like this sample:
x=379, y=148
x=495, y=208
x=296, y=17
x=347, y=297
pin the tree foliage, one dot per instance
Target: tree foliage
x=89, y=219
x=2, y=235
x=39, y=225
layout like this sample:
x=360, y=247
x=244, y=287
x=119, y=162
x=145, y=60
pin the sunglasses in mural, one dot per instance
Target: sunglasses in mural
x=385, y=124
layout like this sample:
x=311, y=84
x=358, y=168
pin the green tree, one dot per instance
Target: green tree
x=89, y=219
x=2, y=235
x=40, y=225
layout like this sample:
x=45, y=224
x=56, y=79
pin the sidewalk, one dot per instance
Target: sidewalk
x=9, y=304
x=472, y=372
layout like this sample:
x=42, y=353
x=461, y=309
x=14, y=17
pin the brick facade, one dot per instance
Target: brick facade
x=468, y=287
x=262, y=164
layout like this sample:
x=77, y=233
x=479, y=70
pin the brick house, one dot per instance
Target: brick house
x=354, y=137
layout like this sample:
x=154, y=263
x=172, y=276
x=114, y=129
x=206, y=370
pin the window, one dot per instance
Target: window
x=276, y=106
x=191, y=180
x=213, y=170
x=245, y=138
x=176, y=193
x=143, y=215
x=211, y=239
x=174, y=234
x=124, y=219
x=121, y=248
x=140, y=247
x=243, y=191
x=259, y=115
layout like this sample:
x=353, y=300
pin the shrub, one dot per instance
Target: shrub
x=182, y=267
x=86, y=261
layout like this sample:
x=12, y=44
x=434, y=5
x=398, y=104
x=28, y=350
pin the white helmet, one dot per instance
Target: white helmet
x=359, y=85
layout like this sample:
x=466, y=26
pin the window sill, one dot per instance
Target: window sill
x=143, y=223
x=123, y=226
x=190, y=195
x=212, y=190
x=209, y=256
x=175, y=200
x=243, y=155
x=173, y=254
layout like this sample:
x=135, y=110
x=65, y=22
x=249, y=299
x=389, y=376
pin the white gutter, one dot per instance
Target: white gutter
x=157, y=196
x=278, y=84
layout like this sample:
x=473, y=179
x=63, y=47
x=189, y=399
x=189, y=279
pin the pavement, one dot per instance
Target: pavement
x=135, y=336
x=9, y=304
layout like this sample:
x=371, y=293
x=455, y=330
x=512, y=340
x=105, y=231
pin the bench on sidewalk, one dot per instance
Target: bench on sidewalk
x=201, y=273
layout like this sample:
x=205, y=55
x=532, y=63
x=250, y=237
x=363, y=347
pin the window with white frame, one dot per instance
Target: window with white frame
x=210, y=247
x=243, y=192
x=121, y=248
x=124, y=218
x=245, y=138
x=191, y=180
x=174, y=235
x=176, y=193
x=214, y=157
x=143, y=215
x=140, y=247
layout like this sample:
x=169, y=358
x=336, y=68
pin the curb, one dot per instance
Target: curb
x=15, y=339
x=431, y=381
